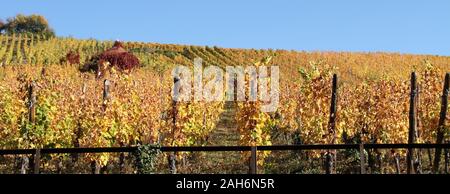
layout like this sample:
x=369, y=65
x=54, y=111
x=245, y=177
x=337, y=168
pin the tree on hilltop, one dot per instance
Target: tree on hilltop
x=32, y=24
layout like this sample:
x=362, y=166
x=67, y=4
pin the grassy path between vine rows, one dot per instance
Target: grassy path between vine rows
x=225, y=134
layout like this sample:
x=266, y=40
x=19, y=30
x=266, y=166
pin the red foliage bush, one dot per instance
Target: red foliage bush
x=117, y=57
x=123, y=61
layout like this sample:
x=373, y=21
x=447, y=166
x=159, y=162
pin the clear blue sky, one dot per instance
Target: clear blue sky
x=405, y=26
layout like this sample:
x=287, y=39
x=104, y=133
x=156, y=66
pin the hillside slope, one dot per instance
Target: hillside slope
x=351, y=67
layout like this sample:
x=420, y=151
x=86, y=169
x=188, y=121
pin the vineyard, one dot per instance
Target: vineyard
x=46, y=102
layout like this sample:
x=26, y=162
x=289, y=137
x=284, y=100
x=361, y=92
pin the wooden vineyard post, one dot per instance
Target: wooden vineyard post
x=430, y=158
x=172, y=156
x=253, y=163
x=32, y=102
x=331, y=157
x=412, y=123
x=37, y=161
x=78, y=132
x=106, y=93
x=418, y=164
x=122, y=162
x=106, y=97
x=24, y=165
x=31, y=119
x=362, y=158
x=397, y=163
x=441, y=129
x=172, y=163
